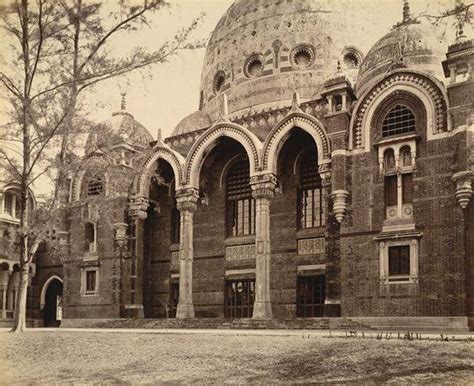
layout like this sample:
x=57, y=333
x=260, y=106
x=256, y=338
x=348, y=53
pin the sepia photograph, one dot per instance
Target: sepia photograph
x=236, y=192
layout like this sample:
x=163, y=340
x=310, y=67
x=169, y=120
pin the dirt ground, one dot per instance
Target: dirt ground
x=129, y=357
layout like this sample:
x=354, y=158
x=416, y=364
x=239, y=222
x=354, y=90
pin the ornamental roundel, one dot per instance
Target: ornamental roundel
x=302, y=56
x=254, y=66
x=218, y=82
x=440, y=123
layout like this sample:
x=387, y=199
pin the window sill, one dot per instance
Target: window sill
x=402, y=279
x=90, y=294
x=398, y=138
x=90, y=256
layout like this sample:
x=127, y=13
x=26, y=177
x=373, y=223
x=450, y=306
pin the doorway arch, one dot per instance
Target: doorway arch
x=51, y=302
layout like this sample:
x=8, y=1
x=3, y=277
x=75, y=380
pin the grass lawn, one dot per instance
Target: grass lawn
x=86, y=357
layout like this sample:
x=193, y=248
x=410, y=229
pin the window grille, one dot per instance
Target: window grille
x=240, y=203
x=240, y=296
x=399, y=120
x=95, y=186
x=311, y=199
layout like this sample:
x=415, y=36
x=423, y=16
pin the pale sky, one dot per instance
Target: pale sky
x=172, y=91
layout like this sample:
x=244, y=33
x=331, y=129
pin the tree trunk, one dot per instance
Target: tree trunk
x=20, y=310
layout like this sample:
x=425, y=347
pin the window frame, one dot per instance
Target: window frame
x=384, y=254
x=409, y=129
x=84, y=281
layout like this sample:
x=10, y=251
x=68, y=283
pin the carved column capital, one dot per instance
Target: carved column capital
x=339, y=198
x=187, y=199
x=463, y=181
x=263, y=185
x=138, y=208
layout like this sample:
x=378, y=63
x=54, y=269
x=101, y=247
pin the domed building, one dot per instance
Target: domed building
x=321, y=182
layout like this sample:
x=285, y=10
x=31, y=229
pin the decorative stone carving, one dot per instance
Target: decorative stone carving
x=263, y=186
x=240, y=252
x=311, y=246
x=138, y=207
x=463, y=181
x=187, y=199
x=339, y=198
x=120, y=235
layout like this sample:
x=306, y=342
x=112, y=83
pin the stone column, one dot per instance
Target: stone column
x=263, y=190
x=4, y=282
x=133, y=307
x=186, y=202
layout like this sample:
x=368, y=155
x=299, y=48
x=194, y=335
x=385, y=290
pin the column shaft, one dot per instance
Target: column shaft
x=186, y=200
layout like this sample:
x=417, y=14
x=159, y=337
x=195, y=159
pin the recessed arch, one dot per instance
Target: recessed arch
x=141, y=183
x=423, y=87
x=45, y=287
x=196, y=155
x=280, y=132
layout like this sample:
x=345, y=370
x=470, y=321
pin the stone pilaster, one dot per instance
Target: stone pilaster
x=5, y=277
x=263, y=190
x=186, y=201
x=133, y=298
x=121, y=251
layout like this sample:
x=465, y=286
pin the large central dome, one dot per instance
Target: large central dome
x=262, y=50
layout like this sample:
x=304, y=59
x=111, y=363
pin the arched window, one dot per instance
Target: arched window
x=399, y=120
x=311, y=200
x=240, y=203
x=95, y=186
x=405, y=156
x=12, y=204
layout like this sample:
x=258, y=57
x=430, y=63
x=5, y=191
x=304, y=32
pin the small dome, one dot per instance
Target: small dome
x=121, y=127
x=414, y=45
x=195, y=121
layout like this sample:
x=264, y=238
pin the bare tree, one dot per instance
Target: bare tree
x=58, y=51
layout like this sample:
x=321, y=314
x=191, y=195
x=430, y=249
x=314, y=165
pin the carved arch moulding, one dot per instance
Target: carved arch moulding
x=428, y=90
x=196, y=155
x=277, y=136
x=142, y=180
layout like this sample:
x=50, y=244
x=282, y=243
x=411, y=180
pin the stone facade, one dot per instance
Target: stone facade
x=368, y=229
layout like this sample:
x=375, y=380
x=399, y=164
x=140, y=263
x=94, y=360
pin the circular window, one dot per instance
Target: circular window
x=253, y=66
x=351, y=57
x=219, y=81
x=302, y=57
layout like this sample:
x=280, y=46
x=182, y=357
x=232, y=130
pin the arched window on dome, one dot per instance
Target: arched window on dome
x=399, y=120
x=95, y=186
x=240, y=204
x=311, y=200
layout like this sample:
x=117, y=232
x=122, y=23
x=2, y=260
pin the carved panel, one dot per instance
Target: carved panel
x=175, y=260
x=240, y=252
x=311, y=246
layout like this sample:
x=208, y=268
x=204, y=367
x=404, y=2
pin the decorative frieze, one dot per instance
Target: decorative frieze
x=240, y=252
x=311, y=246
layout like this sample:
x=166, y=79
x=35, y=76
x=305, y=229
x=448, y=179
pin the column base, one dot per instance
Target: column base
x=185, y=311
x=262, y=310
x=133, y=311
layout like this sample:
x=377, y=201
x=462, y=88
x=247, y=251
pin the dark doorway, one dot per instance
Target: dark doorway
x=174, y=298
x=52, y=312
x=310, y=296
x=240, y=296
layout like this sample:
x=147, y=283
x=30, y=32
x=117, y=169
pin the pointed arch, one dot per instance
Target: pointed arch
x=246, y=138
x=141, y=183
x=279, y=133
x=45, y=287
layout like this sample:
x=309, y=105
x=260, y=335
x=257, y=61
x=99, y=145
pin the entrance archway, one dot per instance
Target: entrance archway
x=52, y=310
